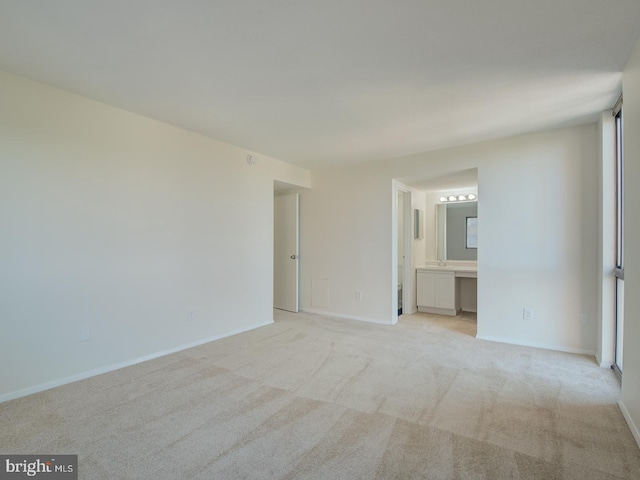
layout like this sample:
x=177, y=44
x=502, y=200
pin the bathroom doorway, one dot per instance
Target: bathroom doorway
x=442, y=236
x=404, y=232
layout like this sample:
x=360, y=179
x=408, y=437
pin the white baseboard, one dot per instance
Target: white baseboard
x=558, y=348
x=345, y=316
x=632, y=426
x=452, y=312
x=116, y=366
x=606, y=363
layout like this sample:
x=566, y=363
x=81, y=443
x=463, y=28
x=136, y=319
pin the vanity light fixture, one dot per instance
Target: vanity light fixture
x=458, y=198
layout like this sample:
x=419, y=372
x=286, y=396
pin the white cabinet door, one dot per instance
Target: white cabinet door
x=445, y=286
x=426, y=289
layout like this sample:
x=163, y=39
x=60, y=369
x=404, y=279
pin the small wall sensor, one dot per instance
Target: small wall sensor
x=251, y=160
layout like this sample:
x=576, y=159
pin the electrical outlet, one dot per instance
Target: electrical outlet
x=527, y=313
x=85, y=334
x=191, y=316
x=358, y=295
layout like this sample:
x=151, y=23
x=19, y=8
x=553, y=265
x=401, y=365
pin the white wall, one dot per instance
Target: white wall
x=537, y=239
x=538, y=252
x=631, y=362
x=124, y=225
x=348, y=228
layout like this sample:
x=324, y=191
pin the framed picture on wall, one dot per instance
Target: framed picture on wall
x=471, y=237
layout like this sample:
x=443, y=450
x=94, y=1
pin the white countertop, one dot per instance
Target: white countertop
x=450, y=268
x=466, y=268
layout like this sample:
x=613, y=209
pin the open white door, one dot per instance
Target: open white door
x=285, y=267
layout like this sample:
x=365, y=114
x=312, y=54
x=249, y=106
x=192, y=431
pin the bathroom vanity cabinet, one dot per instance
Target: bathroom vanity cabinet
x=439, y=289
x=437, y=292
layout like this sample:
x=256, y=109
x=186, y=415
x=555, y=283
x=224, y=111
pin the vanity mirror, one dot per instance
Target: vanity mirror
x=456, y=231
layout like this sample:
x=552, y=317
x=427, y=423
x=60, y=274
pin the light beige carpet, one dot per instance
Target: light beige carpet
x=318, y=398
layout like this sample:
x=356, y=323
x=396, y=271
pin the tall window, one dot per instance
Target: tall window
x=619, y=271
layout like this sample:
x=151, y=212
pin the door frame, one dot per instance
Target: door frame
x=297, y=248
x=408, y=283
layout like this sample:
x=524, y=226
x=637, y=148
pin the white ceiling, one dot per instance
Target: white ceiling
x=324, y=82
